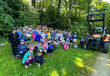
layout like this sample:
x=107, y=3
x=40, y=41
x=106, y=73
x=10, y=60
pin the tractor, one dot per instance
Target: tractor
x=99, y=37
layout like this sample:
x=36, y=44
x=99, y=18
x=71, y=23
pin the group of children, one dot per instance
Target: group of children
x=47, y=41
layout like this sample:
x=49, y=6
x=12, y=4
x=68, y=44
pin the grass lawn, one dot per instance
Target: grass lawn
x=74, y=62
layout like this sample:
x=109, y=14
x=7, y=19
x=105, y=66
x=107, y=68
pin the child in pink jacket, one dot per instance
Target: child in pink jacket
x=33, y=35
x=45, y=45
x=65, y=46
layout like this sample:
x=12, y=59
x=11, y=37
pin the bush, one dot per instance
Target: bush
x=15, y=13
x=6, y=20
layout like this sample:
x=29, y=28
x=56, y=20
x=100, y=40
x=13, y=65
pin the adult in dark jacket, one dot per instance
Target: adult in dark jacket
x=13, y=38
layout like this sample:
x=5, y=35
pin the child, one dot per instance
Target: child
x=68, y=42
x=45, y=45
x=62, y=40
x=39, y=58
x=81, y=42
x=49, y=34
x=38, y=37
x=35, y=49
x=74, y=45
x=33, y=35
x=43, y=37
x=21, y=49
x=50, y=48
x=20, y=33
x=71, y=40
x=23, y=36
x=28, y=59
x=41, y=47
x=75, y=37
x=65, y=46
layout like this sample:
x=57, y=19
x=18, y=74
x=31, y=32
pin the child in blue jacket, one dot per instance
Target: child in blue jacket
x=39, y=58
x=38, y=37
x=21, y=49
x=50, y=48
x=75, y=37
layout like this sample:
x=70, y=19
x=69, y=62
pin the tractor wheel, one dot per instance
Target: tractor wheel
x=106, y=47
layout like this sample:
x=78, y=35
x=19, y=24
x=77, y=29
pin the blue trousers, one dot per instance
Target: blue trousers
x=81, y=44
x=41, y=61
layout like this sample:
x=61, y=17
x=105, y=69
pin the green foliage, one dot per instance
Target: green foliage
x=15, y=13
x=6, y=20
x=60, y=14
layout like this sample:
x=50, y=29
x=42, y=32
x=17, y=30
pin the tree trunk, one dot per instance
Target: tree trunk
x=33, y=3
x=59, y=3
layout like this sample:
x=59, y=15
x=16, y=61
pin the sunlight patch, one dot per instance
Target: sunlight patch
x=79, y=62
x=54, y=73
x=108, y=65
x=91, y=69
x=79, y=59
x=63, y=72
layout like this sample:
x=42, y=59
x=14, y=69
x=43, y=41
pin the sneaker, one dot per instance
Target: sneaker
x=13, y=56
x=30, y=64
x=38, y=64
x=26, y=66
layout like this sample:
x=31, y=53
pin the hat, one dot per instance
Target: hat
x=22, y=40
x=31, y=48
x=40, y=51
x=14, y=28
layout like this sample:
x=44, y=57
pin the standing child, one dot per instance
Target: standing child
x=81, y=44
x=71, y=40
x=28, y=59
x=75, y=37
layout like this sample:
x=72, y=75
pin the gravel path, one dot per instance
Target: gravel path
x=102, y=65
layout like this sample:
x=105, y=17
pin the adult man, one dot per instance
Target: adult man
x=87, y=38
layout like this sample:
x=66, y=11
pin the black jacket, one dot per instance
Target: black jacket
x=13, y=37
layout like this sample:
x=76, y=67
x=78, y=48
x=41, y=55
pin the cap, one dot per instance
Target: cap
x=14, y=28
x=22, y=40
x=40, y=51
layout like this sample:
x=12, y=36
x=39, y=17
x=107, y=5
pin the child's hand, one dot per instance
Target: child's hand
x=29, y=58
x=45, y=50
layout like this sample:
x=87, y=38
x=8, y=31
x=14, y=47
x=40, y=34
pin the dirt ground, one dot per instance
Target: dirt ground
x=102, y=65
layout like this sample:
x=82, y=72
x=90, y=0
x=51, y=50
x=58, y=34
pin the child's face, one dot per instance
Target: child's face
x=23, y=33
x=40, y=44
x=14, y=31
x=39, y=54
x=51, y=43
x=22, y=42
